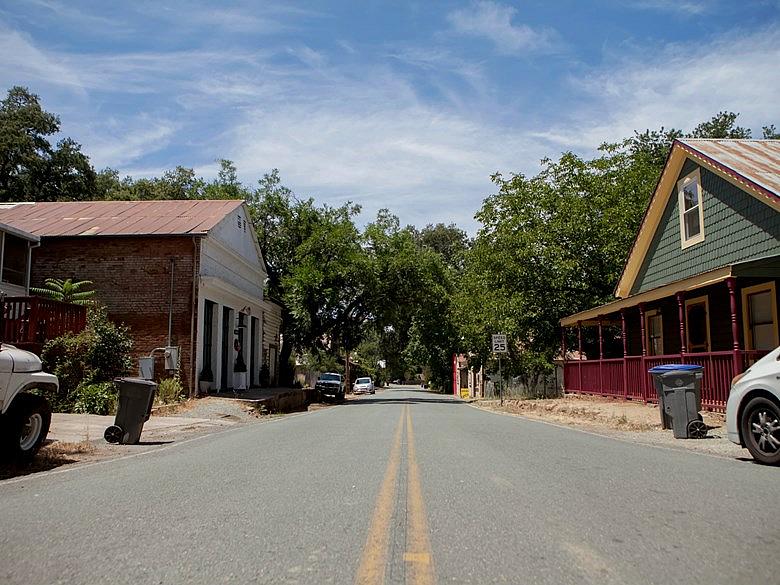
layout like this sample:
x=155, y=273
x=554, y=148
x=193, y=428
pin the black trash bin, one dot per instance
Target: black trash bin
x=136, y=397
x=679, y=397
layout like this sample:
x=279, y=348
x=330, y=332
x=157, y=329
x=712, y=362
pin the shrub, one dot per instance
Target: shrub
x=170, y=390
x=97, y=398
x=99, y=353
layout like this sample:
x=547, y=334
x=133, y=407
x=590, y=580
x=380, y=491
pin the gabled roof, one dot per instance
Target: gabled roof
x=752, y=165
x=117, y=218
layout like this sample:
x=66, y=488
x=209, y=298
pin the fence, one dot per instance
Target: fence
x=550, y=386
x=29, y=322
x=628, y=378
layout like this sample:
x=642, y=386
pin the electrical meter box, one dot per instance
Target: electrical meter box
x=171, y=358
x=146, y=368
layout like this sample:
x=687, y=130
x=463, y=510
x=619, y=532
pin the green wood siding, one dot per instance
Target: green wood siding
x=737, y=227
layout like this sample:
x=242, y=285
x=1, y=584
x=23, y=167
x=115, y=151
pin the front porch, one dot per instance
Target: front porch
x=627, y=377
x=723, y=326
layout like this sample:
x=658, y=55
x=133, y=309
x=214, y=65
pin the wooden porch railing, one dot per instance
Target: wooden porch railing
x=605, y=377
x=29, y=322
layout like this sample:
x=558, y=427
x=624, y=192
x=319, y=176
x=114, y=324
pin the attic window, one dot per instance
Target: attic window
x=691, y=212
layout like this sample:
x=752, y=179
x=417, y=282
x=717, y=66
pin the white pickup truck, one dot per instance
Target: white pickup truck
x=24, y=417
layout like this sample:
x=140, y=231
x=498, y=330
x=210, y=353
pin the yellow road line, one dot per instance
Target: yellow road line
x=374, y=559
x=418, y=557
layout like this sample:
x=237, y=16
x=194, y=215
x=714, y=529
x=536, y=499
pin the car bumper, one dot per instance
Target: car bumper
x=732, y=407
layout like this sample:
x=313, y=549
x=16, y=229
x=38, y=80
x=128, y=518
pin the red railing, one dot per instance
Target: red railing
x=628, y=378
x=29, y=322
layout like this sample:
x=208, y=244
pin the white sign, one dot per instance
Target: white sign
x=499, y=343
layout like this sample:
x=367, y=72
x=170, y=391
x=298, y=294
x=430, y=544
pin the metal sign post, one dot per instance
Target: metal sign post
x=499, y=347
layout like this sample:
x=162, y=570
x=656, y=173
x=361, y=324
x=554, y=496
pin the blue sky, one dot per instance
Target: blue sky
x=405, y=105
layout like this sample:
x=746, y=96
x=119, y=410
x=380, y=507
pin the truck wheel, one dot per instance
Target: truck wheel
x=28, y=422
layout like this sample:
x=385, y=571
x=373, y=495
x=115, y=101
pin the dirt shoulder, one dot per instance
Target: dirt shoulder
x=628, y=420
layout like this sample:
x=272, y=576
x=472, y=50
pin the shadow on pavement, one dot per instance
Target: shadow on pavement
x=420, y=397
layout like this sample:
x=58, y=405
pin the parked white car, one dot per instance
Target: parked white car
x=753, y=409
x=364, y=386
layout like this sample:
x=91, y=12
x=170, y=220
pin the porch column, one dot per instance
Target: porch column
x=681, y=318
x=625, y=351
x=579, y=351
x=643, y=380
x=732, y=284
x=601, y=357
x=563, y=356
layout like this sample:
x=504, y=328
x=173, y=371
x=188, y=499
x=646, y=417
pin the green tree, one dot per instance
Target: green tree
x=66, y=291
x=31, y=169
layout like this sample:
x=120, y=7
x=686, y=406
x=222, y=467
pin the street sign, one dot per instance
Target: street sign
x=499, y=343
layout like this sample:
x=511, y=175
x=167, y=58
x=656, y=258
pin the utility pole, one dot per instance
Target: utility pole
x=499, y=347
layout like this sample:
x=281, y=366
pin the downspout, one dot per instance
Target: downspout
x=194, y=314
x=170, y=304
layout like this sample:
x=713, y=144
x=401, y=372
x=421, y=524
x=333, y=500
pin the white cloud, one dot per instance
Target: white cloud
x=678, y=87
x=24, y=62
x=493, y=21
x=686, y=7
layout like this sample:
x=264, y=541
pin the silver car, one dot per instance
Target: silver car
x=364, y=386
x=753, y=409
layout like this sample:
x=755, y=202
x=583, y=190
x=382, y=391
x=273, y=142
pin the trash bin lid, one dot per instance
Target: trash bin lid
x=664, y=368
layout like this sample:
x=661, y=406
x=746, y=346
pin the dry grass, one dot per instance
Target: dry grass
x=624, y=416
x=59, y=449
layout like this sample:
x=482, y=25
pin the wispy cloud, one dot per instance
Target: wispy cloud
x=685, y=7
x=678, y=87
x=493, y=22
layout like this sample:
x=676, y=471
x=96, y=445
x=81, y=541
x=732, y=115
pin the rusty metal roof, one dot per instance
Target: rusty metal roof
x=757, y=161
x=117, y=218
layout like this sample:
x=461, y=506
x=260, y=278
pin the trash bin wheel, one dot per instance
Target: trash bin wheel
x=113, y=434
x=697, y=429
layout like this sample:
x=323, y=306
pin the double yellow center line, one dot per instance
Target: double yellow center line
x=418, y=560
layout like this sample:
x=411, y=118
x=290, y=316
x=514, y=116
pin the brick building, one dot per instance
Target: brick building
x=187, y=274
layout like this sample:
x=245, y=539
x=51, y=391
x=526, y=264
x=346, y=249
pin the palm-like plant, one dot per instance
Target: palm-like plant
x=66, y=291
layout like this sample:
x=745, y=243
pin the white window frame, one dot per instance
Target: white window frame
x=746, y=328
x=695, y=176
x=703, y=300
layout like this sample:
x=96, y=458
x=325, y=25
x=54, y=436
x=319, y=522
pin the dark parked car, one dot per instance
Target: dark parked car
x=330, y=384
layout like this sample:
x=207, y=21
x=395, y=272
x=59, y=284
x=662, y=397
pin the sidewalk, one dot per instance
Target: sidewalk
x=76, y=428
x=173, y=421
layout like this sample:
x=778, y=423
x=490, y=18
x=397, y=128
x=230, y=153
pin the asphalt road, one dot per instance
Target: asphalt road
x=401, y=487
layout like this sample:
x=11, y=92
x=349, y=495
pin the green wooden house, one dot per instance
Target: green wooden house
x=701, y=281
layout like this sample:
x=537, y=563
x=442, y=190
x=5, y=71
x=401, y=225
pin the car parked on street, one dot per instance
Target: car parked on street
x=753, y=409
x=330, y=384
x=364, y=386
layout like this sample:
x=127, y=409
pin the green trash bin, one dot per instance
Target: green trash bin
x=679, y=398
x=134, y=408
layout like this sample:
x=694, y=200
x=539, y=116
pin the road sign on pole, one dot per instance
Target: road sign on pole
x=499, y=347
x=499, y=343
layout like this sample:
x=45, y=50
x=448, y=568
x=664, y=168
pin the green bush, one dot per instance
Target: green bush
x=99, y=353
x=170, y=390
x=97, y=398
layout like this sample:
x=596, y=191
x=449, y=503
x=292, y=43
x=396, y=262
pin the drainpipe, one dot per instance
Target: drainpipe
x=170, y=304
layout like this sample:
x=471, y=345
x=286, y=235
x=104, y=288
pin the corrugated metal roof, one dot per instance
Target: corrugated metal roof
x=758, y=161
x=117, y=218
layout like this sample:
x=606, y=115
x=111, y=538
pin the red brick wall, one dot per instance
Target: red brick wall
x=132, y=277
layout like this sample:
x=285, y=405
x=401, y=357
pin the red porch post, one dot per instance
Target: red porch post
x=455, y=374
x=681, y=317
x=732, y=284
x=625, y=351
x=563, y=358
x=601, y=358
x=643, y=379
x=579, y=351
